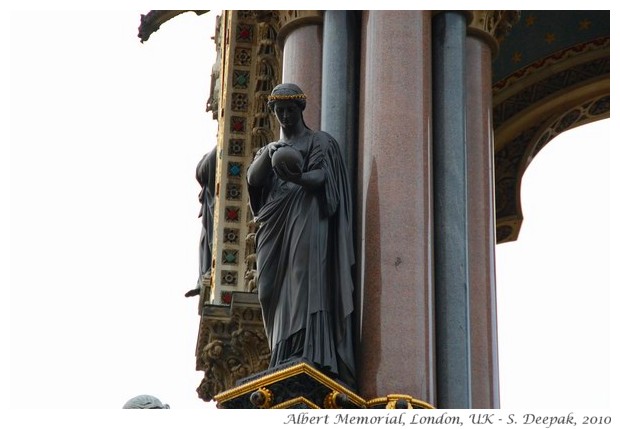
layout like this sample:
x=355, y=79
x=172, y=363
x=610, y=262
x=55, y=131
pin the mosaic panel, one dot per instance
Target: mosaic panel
x=243, y=57
x=232, y=214
x=244, y=33
x=231, y=235
x=239, y=102
x=236, y=147
x=237, y=124
x=229, y=278
x=230, y=256
x=234, y=169
x=233, y=191
x=241, y=78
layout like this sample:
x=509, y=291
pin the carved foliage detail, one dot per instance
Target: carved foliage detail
x=497, y=23
x=235, y=350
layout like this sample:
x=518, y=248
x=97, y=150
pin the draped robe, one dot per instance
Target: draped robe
x=205, y=175
x=304, y=263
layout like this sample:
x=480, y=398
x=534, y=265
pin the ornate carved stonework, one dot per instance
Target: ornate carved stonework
x=251, y=60
x=233, y=344
x=289, y=20
x=493, y=25
x=507, y=184
x=213, y=103
x=534, y=105
x=513, y=159
x=151, y=22
x=589, y=111
x=576, y=74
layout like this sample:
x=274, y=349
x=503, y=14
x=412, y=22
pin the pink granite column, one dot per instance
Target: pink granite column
x=481, y=206
x=301, y=63
x=396, y=347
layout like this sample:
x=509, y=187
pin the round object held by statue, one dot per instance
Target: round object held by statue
x=290, y=156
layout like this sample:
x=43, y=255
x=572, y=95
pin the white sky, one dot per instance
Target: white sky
x=105, y=135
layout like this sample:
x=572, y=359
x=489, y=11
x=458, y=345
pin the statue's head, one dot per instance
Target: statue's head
x=145, y=402
x=287, y=92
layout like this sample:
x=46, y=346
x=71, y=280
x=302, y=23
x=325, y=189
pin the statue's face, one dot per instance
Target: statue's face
x=288, y=113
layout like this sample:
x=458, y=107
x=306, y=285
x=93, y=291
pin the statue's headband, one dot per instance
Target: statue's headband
x=281, y=97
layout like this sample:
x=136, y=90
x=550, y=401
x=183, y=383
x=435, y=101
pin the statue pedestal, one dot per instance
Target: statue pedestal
x=300, y=385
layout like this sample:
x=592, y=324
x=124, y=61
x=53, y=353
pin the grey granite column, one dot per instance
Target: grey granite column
x=301, y=64
x=481, y=222
x=340, y=101
x=394, y=195
x=452, y=285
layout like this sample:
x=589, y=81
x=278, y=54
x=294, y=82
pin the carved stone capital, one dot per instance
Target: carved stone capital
x=289, y=20
x=493, y=25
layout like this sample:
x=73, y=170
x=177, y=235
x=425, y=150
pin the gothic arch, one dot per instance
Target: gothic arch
x=532, y=105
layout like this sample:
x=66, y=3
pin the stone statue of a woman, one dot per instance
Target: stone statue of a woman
x=301, y=200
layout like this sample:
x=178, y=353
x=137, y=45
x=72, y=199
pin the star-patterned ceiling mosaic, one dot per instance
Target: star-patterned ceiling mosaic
x=540, y=33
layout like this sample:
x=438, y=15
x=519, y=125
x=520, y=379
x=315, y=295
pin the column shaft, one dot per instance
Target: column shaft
x=394, y=206
x=452, y=325
x=301, y=65
x=340, y=100
x=480, y=183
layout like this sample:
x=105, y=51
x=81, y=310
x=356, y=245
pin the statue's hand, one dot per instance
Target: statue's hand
x=285, y=173
x=273, y=146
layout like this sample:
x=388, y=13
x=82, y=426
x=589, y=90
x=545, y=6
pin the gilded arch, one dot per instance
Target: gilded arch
x=565, y=85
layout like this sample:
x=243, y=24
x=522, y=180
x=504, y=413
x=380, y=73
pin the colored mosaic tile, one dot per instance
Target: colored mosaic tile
x=231, y=235
x=239, y=102
x=236, y=147
x=243, y=57
x=244, y=33
x=234, y=169
x=229, y=256
x=241, y=78
x=226, y=297
x=229, y=278
x=237, y=124
x=232, y=214
x=233, y=191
